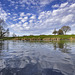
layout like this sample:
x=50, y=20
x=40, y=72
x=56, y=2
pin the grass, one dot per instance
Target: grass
x=50, y=36
x=41, y=37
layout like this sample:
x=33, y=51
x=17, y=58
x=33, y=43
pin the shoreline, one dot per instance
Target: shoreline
x=42, y=38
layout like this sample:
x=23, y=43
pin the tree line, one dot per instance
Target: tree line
x=5, y=32
x=62, y=31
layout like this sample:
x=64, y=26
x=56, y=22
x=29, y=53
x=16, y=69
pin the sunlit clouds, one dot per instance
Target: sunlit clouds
x=25, y=17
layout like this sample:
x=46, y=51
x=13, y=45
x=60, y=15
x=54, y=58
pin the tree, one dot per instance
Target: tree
x=54, y=32
x=7, y=32
x=2, y=30
x=66, y=29
x=60, y=32
x=13, y=35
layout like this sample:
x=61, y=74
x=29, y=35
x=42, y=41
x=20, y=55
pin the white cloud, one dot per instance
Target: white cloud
x=9, y=13
x=55, y=6
x=17, y=25
x=20, y=18
x=11, y=34
x=14, y=19
x=28, y=14
x=23, y=5
x=55, y=19
x=12, y=26
x=25, y=18
x=22, y=14
x=46, y=20
x=20, y=28
x=30, y=3
x=73, y=5
x=16, y=7
x=3, y=14
x=25, y=24
x=27, y=28
x=33, y=17
x=73, y=25
x=30, y=21
x=44, y=15
x=67, y=18
x=64, y=4
x=44, y=2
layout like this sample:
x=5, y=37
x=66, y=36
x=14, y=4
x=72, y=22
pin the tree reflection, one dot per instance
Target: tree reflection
x=62, y=45
x=4, y=45
x=26, y=61
x=1, y=45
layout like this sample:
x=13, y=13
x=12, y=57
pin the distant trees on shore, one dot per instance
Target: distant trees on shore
x=66, y=29
x=55, y=32
x=62, y=31
x=3, y=32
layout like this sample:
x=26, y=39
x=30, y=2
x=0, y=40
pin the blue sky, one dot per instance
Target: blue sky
x=36, y=17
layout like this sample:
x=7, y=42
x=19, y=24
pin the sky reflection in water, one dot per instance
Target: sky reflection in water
x=37, y=58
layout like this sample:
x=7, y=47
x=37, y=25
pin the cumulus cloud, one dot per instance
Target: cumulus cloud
x=3, y=14
x=64, y=4
x=25, y=24
x=48, y=20
x=30, y=21
x=27, y=28
x=26, y=4
x=25, y=18
x=43, y=22
x=55, y=6
x=45, y=2
x=67, y=18
x=56, y=19
x=73, y=5
x=33, y=17
x=22, y=14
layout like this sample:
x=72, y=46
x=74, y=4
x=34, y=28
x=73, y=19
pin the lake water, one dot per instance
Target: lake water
x=37, y=58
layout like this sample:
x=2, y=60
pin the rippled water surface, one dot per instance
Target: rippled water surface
x=37, y=58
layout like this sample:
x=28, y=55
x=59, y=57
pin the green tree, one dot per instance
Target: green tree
x=60, y=32
x=3, y=31
x=66, y=29
x=54, y=32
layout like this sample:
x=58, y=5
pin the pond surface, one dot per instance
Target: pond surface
x=37, y=58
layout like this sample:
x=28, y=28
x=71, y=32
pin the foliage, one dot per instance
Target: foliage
x=66, y=29
x=3, y=32
x=55, y=32
x=60, y=32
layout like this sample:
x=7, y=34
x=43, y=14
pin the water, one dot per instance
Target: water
x=37, y=58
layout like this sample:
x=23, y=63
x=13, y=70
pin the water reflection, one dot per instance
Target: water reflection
x=30, y=69
x=62, y=45
x=4, y=45
x=1, y=45
x=37, y=58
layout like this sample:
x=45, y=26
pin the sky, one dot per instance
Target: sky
x=37, y=17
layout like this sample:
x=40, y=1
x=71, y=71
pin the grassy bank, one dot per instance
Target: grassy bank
x=51, y=36
x=42, y=37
